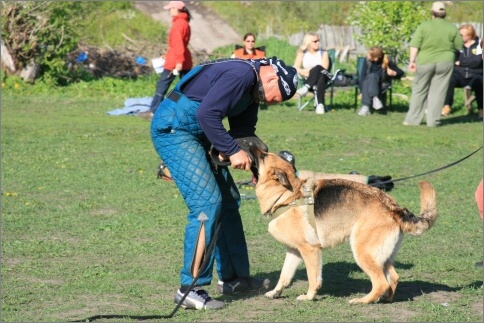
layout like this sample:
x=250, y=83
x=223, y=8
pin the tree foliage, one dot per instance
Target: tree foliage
x=41, y=33
x=389, y=24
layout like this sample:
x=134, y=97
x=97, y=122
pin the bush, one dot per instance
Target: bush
x=388, y=24
x=41, y=34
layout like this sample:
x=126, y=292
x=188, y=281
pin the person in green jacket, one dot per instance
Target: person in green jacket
x=433, y=47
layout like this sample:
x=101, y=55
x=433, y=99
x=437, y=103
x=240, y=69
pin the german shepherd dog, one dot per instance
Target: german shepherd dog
x=310, y=215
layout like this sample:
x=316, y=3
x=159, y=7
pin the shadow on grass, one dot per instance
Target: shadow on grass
x=338, y=283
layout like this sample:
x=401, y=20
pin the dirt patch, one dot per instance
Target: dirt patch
x=209, y=31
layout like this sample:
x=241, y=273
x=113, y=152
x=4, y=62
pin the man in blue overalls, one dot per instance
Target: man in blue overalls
x=183, y=128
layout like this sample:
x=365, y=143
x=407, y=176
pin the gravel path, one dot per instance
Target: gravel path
x=208, y=30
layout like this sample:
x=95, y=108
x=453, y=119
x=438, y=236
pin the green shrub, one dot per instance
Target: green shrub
x=389, y=24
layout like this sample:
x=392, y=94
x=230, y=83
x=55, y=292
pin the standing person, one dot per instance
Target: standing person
x=178, y=59
x=310, y=61
x=377, y=69
x=435, y=41
x=248, y=50
x=183, y=128
x=467, y=67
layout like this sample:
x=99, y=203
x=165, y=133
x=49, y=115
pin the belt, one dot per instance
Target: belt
x=174, y=96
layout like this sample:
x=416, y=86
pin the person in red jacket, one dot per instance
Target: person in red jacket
x=178, y=59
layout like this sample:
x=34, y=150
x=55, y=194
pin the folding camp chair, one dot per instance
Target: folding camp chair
x=386, y=86
x=331, y=78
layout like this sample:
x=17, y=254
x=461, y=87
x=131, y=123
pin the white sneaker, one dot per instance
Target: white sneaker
x=198, y=299
x=377, y=104
x=303, y=91
x=364, y=111
x=320, y=109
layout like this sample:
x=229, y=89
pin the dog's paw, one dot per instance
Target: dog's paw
x=363, y=300
x=304, y=297
x=355, y=301
x=273, y=294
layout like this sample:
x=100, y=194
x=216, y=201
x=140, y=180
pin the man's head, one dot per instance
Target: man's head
x=279, y=81
x=438, y=9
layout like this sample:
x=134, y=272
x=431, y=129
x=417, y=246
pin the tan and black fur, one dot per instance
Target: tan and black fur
x=344, y=210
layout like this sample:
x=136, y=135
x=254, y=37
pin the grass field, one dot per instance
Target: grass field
x=88, y=229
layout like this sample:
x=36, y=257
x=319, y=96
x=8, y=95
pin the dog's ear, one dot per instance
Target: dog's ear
x=282, y=178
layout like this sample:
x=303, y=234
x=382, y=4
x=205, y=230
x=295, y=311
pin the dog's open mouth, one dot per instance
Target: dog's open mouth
x=255, y=175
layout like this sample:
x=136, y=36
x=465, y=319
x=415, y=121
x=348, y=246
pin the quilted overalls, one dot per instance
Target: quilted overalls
x=211, y=196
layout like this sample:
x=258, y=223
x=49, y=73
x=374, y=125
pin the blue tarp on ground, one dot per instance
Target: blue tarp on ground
x=132, y=106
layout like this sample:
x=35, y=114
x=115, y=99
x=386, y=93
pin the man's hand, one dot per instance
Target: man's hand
x=240, y=160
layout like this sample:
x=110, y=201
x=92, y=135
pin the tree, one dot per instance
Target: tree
x=389, y=24
x=39, y=34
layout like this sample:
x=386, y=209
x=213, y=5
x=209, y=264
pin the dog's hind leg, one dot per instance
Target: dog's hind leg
x=379, y=283
x=293, y=259
x=314, y=266
x=392, y=278
x=365, y=257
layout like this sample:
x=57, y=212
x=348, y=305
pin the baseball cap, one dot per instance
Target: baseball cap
x=174, y=5
x=287, y=76
x=438, y=6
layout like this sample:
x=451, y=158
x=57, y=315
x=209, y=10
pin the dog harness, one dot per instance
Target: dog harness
x=307, y=201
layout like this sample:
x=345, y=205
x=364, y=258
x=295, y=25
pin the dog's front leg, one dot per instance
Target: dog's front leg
x=314, y=267
x=293, y=259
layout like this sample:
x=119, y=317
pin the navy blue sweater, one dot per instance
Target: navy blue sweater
x=225, y=90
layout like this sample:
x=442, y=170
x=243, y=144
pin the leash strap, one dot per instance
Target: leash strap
x=431, y=171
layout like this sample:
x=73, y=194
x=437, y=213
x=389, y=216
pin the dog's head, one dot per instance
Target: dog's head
x=277, y=183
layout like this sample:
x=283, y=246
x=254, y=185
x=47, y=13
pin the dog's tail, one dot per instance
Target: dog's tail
x=417, y=225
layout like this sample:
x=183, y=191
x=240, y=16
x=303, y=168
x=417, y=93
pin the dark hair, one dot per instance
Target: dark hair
x=248, y=35
x=438, y=14
x=185, y=10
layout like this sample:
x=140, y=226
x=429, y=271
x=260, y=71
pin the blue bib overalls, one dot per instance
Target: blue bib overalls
x=210, y=196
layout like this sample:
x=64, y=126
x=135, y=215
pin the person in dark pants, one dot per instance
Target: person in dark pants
x=467, y=67
x=377, y=71
x=178, y=59
x=184, y=127
x=310, y=61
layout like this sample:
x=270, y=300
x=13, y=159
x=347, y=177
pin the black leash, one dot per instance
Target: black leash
x=155, y=317
x=430, y=171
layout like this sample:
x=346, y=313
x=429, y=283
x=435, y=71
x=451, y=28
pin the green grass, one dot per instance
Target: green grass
x=87, y=228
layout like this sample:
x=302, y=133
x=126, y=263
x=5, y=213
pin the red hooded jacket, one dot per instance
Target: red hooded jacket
x=178, y=39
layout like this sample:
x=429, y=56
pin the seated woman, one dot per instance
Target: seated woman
x=249, y=51
x=310, y=61
x=467, y=69
x=377, y=70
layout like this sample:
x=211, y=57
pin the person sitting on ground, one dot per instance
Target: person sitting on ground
x=467, y=67
x=310, y=61
x=377, y=71
x=382, y=182
x=248, y=50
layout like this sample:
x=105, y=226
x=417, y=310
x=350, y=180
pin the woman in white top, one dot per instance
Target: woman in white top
x=310, y=61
